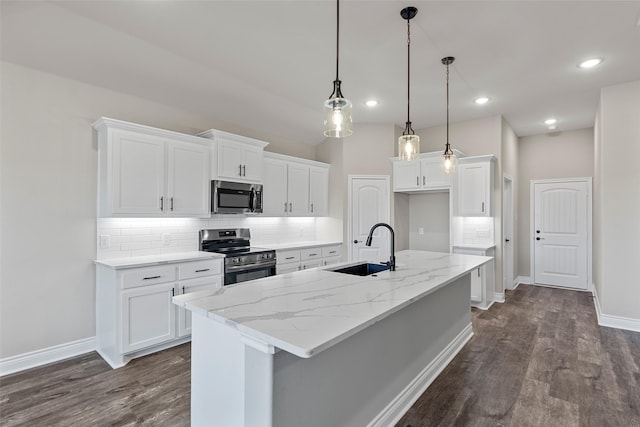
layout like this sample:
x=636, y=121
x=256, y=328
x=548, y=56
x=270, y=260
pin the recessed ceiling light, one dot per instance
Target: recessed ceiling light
x=589, y=63
x=482, y=100
x=371, y=103
x=552, y=127
x=550, y=122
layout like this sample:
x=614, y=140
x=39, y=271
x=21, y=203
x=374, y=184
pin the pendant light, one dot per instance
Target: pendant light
x=449, y=160
x=337, y=109
x=409, y=142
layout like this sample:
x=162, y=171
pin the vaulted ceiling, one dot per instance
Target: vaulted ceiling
x=267, y=66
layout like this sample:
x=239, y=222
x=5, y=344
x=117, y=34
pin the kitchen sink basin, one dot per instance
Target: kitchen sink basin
x=364, y=269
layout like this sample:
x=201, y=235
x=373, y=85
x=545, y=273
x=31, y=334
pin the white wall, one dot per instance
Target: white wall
x=617, y=223
x=48, y=200
x=429, y=212
x=547, y=156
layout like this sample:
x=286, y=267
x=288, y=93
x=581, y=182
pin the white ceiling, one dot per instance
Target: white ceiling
x=267, y=66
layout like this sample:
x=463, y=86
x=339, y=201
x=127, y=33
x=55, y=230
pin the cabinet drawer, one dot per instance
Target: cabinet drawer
x=313, y=253
x=330, y=251
x=330, y=260
x=285, y=257
x=135, y=277
x=190, y=270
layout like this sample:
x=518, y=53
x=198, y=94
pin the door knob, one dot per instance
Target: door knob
x=506, y=240
x=357, y=241
x=537, y=231
x=539, y=238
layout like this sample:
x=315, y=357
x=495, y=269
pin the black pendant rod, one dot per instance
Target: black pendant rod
x=337, y=36
x=447, y=61
x=408, y=13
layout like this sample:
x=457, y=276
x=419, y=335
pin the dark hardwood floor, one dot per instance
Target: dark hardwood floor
x=539, y=359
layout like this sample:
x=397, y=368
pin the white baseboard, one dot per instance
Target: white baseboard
x=523, y=279
x=498, y=297
x=12, y=364
x=392, y=413
x=614, y=321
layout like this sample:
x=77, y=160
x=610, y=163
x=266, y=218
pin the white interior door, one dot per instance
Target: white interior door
x=560, y=233
x=507, y=233
x=369, y=204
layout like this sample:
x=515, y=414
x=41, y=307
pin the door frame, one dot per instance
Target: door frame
x=588, y=180
x=350, y=179
x=508, y=218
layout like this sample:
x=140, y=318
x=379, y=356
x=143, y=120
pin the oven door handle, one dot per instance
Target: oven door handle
x=252, y=200
x=229, y=268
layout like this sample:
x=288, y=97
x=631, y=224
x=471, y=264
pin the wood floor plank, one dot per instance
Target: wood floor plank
x=540, y=360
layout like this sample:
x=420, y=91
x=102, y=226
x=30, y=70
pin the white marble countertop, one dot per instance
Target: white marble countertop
x=475, y=246
x=308, y=311
x=296, y=245
x=148, y=260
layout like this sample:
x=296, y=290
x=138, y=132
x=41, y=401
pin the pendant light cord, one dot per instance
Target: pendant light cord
x=447, y=148
x=408, y=72
x=337, y=36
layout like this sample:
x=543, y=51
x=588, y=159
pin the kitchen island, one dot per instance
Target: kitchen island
x=322, y=348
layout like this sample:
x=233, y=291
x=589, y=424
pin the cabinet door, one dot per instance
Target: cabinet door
x=252, y=164
x=406, y=175
x=288, y=268
x=331, y=260
x=274, y=187
x=476, y=285
x=148, y=316
x=473, y=189
x=229, y=160
x=432, y=175
x=311, y=264
x=187, y=287
x=138, y=174
x=298, y=189
x=188, y=179
x=318, y=191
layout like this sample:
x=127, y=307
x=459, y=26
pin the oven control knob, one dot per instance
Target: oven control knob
x=235, y=260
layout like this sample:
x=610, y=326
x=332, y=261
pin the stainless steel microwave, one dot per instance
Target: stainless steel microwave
x=235, y=197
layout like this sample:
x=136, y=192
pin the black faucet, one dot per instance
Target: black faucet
x=392, y=260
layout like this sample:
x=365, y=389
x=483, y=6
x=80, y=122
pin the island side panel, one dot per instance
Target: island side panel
x=350, y=383
x=217, y=374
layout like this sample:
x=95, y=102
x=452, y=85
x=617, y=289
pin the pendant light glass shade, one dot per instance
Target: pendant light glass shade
x=408, y=147
x=409, y=142
x=449, y=159
x=337, y=109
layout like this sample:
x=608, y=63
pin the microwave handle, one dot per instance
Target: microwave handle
x=252, y=200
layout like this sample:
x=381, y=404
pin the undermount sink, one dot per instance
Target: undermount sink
x=364, y=269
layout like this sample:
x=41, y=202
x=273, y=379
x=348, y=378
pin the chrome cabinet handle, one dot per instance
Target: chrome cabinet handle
x=200, y=271
x=424, y=181
x=161, y=203
x=173, y=292
x=240, y=170
x=290, y=207
x=312, y=207
x=482, y=207
x=417, y=180
x=171, y=204
x=285, y=206
x=478, y=271
x=290, y=257
x=152, y=277
x=313, y=254
x=244, y=170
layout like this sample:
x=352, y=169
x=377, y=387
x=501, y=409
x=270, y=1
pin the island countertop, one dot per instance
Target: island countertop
x=308, y=311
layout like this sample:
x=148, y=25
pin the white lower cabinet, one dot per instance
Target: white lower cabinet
x=482, y=278
x=134, y=312
x=290, y=260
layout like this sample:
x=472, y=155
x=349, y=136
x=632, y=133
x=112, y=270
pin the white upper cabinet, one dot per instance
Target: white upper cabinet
x=237, y=158
x=422, y=174
x=319, y=191
x=474, y=186
x=144, y=171
x=188, y=179
x=294, y=187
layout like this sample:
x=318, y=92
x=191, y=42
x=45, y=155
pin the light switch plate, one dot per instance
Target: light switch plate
x=105, y=241
x=166, y=239
x=421, y=230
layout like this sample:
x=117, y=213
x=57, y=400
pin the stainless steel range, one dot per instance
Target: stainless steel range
x=242, y=262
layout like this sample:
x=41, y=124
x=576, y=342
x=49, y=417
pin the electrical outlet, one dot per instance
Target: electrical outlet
x=166, y=239
x=105, y=241
x=421, y=230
